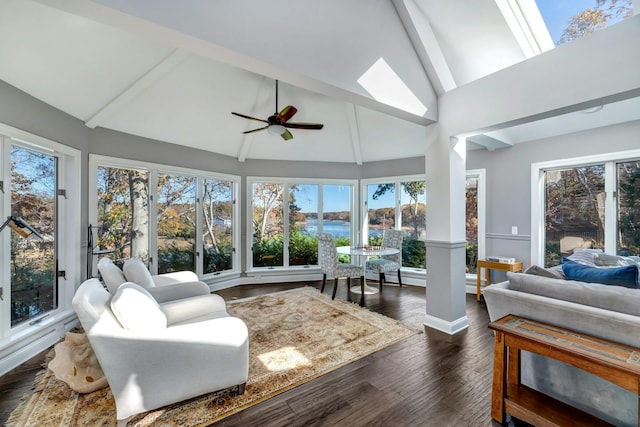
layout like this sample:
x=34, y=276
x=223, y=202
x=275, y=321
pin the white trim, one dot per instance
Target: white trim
x=537, y=196
x=450, y=328
x=286, y=183
x=27, y=339
x=154, y=169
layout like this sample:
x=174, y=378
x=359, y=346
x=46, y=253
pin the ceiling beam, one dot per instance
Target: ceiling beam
x=426, y=45
x=354, y=132
x=152, y=76
x=488, y=142
x=112, y=17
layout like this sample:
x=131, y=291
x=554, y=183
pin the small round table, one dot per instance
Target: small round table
x=366, y=252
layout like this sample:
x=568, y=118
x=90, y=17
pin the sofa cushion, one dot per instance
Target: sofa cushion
x=626, y=276
x=136, y=309
x=608, y=260
x=607, y=297
x=585, y=256
x=111, y=274
x=135, y=271
x=545, y=272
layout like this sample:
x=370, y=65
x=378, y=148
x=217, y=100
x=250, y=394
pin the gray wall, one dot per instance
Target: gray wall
x=509, y=179
x=22, y=111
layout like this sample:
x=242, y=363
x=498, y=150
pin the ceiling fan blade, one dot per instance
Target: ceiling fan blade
x=256, y=130
x=286, y=135
x=249, y=117
x=311, y=126
x=286, y=114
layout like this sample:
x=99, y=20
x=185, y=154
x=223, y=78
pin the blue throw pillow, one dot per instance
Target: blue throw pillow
x=626, y=276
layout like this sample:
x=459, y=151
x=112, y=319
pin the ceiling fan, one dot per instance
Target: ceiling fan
x=279, y=122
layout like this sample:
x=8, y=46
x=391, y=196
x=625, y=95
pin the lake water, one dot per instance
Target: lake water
x=337, y=228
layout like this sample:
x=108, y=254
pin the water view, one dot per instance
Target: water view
x=337, y=228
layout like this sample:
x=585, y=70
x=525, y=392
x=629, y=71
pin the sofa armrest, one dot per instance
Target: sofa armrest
x=175, y=277
x=191, y=308
x=178, y=291
x=153, y=368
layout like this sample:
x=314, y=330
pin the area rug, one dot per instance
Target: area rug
x=294, y=337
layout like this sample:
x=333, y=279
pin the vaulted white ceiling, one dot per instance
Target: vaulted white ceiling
x=172, y=72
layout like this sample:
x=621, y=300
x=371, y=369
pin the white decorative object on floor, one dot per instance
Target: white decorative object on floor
x=76, y=364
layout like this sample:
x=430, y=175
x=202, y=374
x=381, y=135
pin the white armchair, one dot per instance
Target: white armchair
x=157, y=354
x=163, y=287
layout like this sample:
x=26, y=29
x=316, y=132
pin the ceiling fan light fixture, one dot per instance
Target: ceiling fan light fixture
x=276, y=129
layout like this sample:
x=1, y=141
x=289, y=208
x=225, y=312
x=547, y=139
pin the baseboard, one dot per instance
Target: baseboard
x=441, y=325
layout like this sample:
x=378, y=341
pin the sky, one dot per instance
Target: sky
x=556, y=13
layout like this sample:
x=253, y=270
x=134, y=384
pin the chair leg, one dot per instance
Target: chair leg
x=324, y=282
x=381, y=279
x=399, y=278
x=362, y=282
x=335, y=287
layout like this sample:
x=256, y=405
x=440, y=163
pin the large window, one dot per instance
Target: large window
x=39, y=184
x=32, y=265
x=284, y=234
x=589, y=202
x=475, y=218
x=173, y=220
x=398, y=203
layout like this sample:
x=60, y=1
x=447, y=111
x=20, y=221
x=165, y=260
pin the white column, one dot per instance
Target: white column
x=446, y=240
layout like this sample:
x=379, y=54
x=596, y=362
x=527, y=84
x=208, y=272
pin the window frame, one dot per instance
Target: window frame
x=481, y=175
x=68, y=234
x=364, y=198
x=287, y=182
x=538, y=193
x=154, y=169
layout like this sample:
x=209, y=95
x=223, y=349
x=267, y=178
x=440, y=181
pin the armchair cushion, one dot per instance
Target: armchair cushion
x=136, y=309
x=178, y=291
x=135, y=271
x=194, y=308
x=111, y=274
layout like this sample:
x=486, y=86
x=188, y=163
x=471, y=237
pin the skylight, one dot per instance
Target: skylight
x=570, y=20
x=385, y=86
x=540, y=25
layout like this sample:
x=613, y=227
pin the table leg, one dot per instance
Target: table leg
x=513, y=376
x=478, y=282
x=499, y=390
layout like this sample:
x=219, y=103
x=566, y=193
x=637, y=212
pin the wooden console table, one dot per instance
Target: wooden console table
x=494, y=265
x=617, y=363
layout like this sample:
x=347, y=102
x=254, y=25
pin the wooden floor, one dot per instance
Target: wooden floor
x=429, y=379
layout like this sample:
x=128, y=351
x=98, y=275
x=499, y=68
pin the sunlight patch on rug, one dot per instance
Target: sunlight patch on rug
x=294, y=337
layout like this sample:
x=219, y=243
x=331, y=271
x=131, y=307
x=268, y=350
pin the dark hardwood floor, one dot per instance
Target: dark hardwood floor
x=429, y=379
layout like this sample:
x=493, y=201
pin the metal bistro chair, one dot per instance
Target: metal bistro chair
x=328, y=260
x=390, y=239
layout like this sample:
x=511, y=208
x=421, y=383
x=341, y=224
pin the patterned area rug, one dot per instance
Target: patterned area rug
x=294, y=336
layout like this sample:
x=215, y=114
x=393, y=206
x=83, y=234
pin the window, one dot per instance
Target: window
x=574, y=211
x=312, y=207
x=218, y=226
x=588, y=202
x=475, y=219
x=176, y=219
x=398, y=203
x=123, y=213
x=33, y=198
x=568, y=21
x=163, y=214
x=39, y=182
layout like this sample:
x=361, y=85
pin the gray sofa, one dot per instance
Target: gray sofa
x=605, y=311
